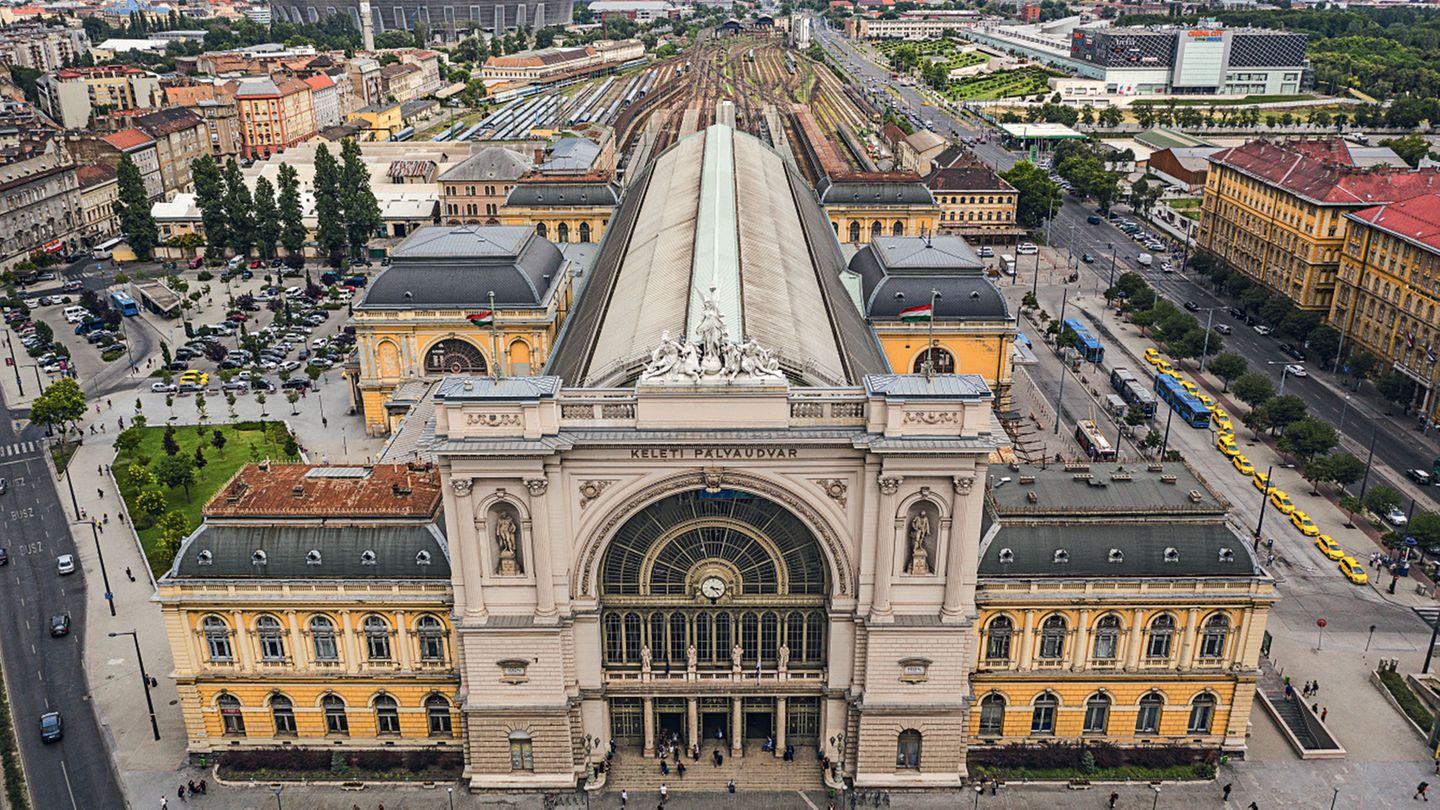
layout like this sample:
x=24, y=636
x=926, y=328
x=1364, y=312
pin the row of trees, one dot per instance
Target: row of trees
x=1177, y=330
x=238, y=220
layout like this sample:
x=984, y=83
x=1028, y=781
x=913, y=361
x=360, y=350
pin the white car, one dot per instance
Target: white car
x=289, y=365
x=319, y=343
x=1261, y=329
x=1295, y=370
x=65, y=563
x=162, y=388
x=1395, y=517
x=1027, y=249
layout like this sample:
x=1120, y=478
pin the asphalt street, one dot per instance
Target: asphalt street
x=1360, y=420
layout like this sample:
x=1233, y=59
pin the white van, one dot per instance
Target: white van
x=1145, y=260
x=1027, y=249
x=101, y=254
x=76, y=314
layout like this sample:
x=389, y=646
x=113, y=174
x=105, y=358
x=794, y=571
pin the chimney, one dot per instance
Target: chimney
x=367, y=26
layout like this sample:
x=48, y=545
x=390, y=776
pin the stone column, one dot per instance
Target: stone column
x=1078, y=653
x=647, y=705
x=737, y=728
x=692, y=720
x=779, y=726
x=1187, y=644
x=467, y=541
x=540, y=539
x=961, y=565
x=885, y=530
x=1027, y=642
x=1137, y=638
x=348, y=647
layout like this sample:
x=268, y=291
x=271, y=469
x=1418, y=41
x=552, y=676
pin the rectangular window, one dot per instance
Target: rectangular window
x=992, y=719
x=522, y=755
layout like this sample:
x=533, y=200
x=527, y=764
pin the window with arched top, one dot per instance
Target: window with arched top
x=1213, y=636
x=1202, y=714
x=377, y=638
x=282, y=713
x=322, y=639
x=232, y=717
x=584, y=232
x=1097, y=714
x=942, y=361
x=992, y=715
x=437, y=714
x=1107, y=638
x=1052, y=638
x=432, y=638
x=997, y=638
x=272, y=640
x=217, y=639
x=455, y=356
x=522, y=751
x=562, y=232
x=877, y=228
x=1162, y=636
x=854, y=232
x=387, y=716
x=542, y=230
x=1042, y=716
x=1147, y=720
x=907, y=750
x=898, y=229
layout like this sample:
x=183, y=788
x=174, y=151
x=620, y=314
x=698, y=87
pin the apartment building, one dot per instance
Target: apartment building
x=71, y=95
x=214, y=102
x=473, y=192
x=99, y=191
x=180, y=137
x=41, y=47
x=39, y=204
x=275, y=113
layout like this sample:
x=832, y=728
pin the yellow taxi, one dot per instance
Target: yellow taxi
x=1261, y=482
x=1190, y=386
x=1226, y=445
x=1217, y=413
x=1224, y=425
x=1329, y=547
x=1206, y=400
x=1352, y=571
x=1242, y=464
x=196, y=377
x=1152, y=356
x=1164, y=367
x=1281, y=501
x=1303, y=522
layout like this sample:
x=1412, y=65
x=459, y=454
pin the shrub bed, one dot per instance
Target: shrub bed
x=366, y=765
x=1409, y=703
x=1094, y=761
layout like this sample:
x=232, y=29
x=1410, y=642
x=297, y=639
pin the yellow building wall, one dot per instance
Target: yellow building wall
x=913, y=220
x=551, y=218
x=306, y=695
x=1125, y=697
x=983, y=350
x=388, y=119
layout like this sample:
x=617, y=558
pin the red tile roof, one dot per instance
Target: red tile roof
x=1324, y=173
x=127, y=139
x=93, y=174
x=1415, y=220
x=319, y=82
x=295, y=490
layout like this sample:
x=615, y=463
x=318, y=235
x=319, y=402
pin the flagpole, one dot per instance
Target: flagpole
x=928, y=367
x=494, y=341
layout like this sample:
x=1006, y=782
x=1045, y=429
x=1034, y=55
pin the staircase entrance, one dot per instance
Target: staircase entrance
x=759, y=725
x=631, y=770
x=714, y=725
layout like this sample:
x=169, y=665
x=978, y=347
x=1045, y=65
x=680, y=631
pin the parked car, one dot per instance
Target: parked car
x=65, y=564
x=4, y=557
x=1295, y=370
x=72, y=286
x=162, y=388
x=1419, y=476
x=1261, y=329
x=1222, y=328
x=296, y=384
x=60, y=625
x=1395, y=517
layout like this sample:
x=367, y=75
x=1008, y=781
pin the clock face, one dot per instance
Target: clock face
x=712, y=587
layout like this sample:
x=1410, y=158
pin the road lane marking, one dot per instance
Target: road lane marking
x=68, y=788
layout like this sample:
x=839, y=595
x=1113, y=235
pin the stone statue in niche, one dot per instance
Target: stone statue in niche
x=507, y=544
x=645, y=658
x=736, y=653
x=691, y=656
x=918, y=530
x=784, y=657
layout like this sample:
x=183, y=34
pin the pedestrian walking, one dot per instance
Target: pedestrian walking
x=99, y=493
x=181, y=793
x=1253, y=806
x=1114, y=797
x=1324, y=713
x=164, y=803
x=1420, y=791
x=1224, y=793
x=204, y=790
x=1314, y=687
x=731, y=787
x=624, y=797
x=129, y=574
x=680, y=769
x=664, y=793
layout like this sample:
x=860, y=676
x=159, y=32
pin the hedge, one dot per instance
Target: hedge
x=15, y=791
x=1409, y=703
x=350, y=764
x=1093, y=760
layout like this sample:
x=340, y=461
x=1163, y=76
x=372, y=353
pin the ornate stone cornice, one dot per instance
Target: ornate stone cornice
x=461, y=486
x=890, y=484
x=537, y=486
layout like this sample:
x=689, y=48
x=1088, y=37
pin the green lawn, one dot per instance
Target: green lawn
x=244, y=442
x=1232, y=102
x=1005, y=84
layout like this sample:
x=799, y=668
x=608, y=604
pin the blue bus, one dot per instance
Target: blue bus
x=1191, y=410
x=1090, y=347
x=125, y=304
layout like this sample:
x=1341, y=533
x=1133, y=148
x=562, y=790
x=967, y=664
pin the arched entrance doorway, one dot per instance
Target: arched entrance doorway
x=713, y=612
x=454, y=356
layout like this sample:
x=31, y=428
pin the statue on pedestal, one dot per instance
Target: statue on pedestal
x=645, y=658
x=919, y=533
x=691, y=654
x=505, y=527
x=736, y=653
x=784, y=657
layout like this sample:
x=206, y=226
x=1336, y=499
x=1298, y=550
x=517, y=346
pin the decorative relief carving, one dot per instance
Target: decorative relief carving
x=493, y=420
x=713, y=357
x=461, y=486
x=590, y=490
x=932, y=417
x=963, y=484
x=714, y=479
x=537, y=486
x=836, y=489
x=890, y=484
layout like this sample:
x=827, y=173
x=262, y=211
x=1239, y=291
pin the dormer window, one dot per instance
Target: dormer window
x=259, y=558
x=422, y=558
x=1061, y=556
x=1007, y=556
x=312, y=557
x=1227, y=555
x=1172, y=554
x=367, y=557
x=1116, y=556
x=205, y=557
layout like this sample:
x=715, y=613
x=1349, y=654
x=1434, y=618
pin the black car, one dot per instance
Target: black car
x=296, y=385
x=60, y=625
x=1293, y=351
x=178, y=365
x=1236, y=312
x=52, y=728
x=4, y=557
x=1192, y=306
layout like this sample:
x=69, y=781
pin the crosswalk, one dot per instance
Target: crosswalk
x=1429, y=614
x=20, y=448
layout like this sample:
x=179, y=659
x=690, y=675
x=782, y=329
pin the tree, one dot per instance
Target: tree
x=217, y=441
x=133, y=206
x=173, y=529
x=330, y=230
x=1381, y=499
x=1253, y=388
x=362, y=212
x=1228, y=367
x=292, y=226
x=267, y=219
x=1284, y=411
x=1039, y=195
x=1345, y=469
x=200, y=460
x=151, y=502
x=239, y=210
x=292, y=396
x=1397, y=388
x=210, y=198
x=1425, y=528
x=139, y=477
x=176, y=471
x=168, y=440
x=128, y=440
x=61, y=404
x=1317, y=470
x=1308, y=437
x=1360, y=365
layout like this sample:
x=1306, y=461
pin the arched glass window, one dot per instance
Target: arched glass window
x=387, y=716
x=432, y=638
x=522, y=751
x=1147, y=721
x=1212, y=638
x=1162, y=633
x=322, y=639
x=217, y=638
x=750, y=635
x=1042, y=718
x=584, y=232
x=943, y=360
x=437, y=712
x=282, y=712
x=231, y=716
x=724, y=638
x=854, y=232
x=1052, y=638
x=562, y=232
x=769, y=636
x=1202, y=713
x=542, y=230
x=992, y=716
x=898, y=229
x=657, y=636
x=632, y=638
x=377, y=638
x=1107, y=637
x=1097, y=714
x=877, y=228
x=336, y=722
x=704, y=641
x=455, y=356
x=678, y=640
x=614, y=645
x=907, y=749
x=272, y=642
x=997, y=638
x=814, y=637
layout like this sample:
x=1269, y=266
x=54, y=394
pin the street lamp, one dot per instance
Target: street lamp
x=104, y=575
x=277, y=789
x=154, y=724
x=1205, y=349
x=1155, y=803
x=1264, y=499
x=1284, y=372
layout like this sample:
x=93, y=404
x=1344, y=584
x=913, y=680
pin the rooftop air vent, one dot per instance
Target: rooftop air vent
x=422, y=558
x=205, y=557
x=1195, y=496
x=312, y=557
x=1032, y=496
x=1115, y=556
x=1120, y=476
x=367, y=557
x=298, y=490
x=1154, y=467
x=1027, y=479
x=1080, y=477
x=1168, y=478
x=1007, y=556
x=259, y=558
x=1227, y=555
x=399, y=491
x=1061, y=556
x=1172, y=554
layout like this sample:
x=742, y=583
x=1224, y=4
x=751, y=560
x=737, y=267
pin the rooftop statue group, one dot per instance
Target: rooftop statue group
x=713, y=357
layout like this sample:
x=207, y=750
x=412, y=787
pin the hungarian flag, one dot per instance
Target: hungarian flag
x=482, y=318
x=920, y=313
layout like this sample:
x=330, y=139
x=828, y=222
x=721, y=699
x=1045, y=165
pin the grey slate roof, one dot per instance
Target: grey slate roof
x=898, y=272
x=489, y=164
x=487, y=389
x=563, y=192
x=940, y=386
x=1095, y=489
x=571, y=155
x=878, y=192
x=1197, y=549
x=231, y=551
x=456, y=266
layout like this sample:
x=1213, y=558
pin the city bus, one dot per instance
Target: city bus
x=1190, y=410
x=1138, y=395
x=124, y=304
x=1095, y=445
x=1119, y=377
x=1090, y=347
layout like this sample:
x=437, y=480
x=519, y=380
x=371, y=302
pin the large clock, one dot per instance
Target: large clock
x=712, y=587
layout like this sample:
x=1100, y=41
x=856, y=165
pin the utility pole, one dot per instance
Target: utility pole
x=1060, y=395
x=1365, y=482
x=1205, y=350
x=1264, y=500
x=154, y=724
